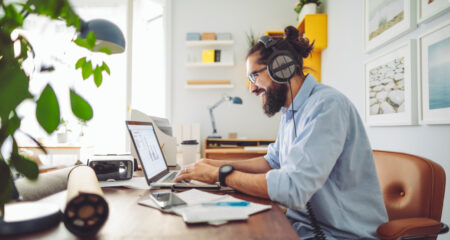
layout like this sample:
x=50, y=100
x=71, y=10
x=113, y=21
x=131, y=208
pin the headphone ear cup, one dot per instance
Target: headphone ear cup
x=281, y=66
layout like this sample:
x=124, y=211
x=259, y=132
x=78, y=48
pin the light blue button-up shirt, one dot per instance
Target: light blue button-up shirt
x=328, y=163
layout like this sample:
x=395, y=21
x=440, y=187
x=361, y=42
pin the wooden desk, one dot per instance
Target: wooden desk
x=128, y=220
x=227, y=148
x=77, y=150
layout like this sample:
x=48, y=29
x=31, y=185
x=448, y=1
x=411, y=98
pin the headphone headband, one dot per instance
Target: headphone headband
x=268, y=41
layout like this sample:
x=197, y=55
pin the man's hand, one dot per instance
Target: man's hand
x=199, y=171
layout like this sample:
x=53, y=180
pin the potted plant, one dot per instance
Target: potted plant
x=63, y=131
x=252, y=39
x=305, y=7
x=14, y=85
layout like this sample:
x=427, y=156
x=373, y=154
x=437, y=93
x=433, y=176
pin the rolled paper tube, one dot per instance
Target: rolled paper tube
x=47, y=184
x=86, y=210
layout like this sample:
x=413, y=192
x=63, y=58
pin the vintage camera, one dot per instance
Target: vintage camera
x=112, y=167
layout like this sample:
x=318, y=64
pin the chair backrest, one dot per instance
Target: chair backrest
x=412, y=186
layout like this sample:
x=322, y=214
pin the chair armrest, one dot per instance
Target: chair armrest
x=408, y=227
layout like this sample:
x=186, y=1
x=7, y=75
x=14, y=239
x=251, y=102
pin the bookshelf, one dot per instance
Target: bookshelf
x=229, y=148
x=194, y=60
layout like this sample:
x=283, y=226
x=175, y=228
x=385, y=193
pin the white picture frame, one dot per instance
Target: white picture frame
x=427, y=11
x=391, y=87
x=431, y=46
x=387, y=20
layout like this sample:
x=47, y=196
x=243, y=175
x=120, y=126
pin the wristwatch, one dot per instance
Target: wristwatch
x=224, y=171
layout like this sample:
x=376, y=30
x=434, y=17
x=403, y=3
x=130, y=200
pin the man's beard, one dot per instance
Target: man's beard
x=275, y=98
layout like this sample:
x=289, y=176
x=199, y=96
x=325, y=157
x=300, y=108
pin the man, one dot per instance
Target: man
x=321, y=165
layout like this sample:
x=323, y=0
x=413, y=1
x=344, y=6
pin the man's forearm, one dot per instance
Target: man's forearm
x=252, y=184
x=253, y=165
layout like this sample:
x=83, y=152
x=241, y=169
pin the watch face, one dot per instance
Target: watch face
x=226, y=168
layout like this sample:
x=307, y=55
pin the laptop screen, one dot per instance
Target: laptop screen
x=147, y=147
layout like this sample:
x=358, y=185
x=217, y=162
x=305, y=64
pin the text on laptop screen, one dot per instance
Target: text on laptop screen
x=149, y=151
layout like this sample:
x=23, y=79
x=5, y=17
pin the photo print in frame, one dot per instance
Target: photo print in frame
x=386, y=20
x=434, y=75
x=391, y=87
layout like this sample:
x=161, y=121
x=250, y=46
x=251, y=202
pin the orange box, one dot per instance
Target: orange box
x=208, y=36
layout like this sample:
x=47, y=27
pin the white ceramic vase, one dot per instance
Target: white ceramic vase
x=309, y=8
x=62, y=137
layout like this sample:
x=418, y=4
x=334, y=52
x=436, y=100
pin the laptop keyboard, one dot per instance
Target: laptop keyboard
x=171, y=177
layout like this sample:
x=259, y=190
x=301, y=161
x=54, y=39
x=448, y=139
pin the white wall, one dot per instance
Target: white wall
x=237, y=17
x=342, y=68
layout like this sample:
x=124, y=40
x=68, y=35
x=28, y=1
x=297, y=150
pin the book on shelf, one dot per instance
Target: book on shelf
x=228, y=145
x=208, y=36
x=217, y=55
x=256, y=148
x=199, y=82
x=208, y=55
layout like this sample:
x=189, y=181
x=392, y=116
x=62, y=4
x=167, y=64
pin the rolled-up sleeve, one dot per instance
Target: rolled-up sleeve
x=312, y=156
x=272, y=154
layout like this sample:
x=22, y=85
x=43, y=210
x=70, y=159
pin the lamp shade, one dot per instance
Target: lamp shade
x=107, y=33
x=236, y=100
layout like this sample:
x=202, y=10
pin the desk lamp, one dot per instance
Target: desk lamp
x=233, y=100
x=107, y=34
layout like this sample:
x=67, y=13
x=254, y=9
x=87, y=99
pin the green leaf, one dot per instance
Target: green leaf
x=47, y=110
x=80, y=107
x=26, y=166
x=12, y=19
x=98, y=78
x=105, y=50
x=91, y=39
x=81, y=42
x=5, y=184
x=24, y=47
x=13, y=86
x=80, y=63
x=106, y=68
x=86, y=70
x=13, y=124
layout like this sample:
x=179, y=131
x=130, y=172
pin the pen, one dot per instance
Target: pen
x=227, y=204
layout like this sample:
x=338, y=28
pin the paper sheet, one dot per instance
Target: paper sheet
x=195, y=196
x=135, y=183
x=194, y=212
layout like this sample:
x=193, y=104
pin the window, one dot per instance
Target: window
x=149, y=83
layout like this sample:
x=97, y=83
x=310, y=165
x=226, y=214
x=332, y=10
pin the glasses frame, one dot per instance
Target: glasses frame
x=253, y=75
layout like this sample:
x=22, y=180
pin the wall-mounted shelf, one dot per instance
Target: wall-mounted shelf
x=314, y=27
x=209, y=86
x=203, y=43
x=207, y=64
x=223, y=57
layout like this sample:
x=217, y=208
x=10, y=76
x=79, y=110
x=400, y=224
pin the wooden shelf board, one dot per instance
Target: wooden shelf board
x=206, y=86
x=202, y=64
x=241, y=139
x=209, y=43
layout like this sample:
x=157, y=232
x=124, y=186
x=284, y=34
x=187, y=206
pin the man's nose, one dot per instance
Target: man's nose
x=253, y=87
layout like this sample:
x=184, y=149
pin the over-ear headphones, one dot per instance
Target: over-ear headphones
x=281, y=65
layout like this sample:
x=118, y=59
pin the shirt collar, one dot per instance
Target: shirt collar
x=304, y=93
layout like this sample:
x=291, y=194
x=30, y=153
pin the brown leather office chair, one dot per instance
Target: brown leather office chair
x=413, y=190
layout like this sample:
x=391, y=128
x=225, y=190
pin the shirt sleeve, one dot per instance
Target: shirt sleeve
x=314, y=152
x=272, y=154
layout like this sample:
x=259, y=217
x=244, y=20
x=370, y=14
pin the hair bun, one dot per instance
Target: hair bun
x=291, y=33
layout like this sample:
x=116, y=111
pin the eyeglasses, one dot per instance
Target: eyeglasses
x=252, y=76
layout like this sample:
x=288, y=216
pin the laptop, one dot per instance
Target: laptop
x=154, y=165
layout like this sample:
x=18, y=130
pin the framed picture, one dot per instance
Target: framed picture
x=386, y=20
x=391, y=87
x=429, y=9
x=434, y=72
